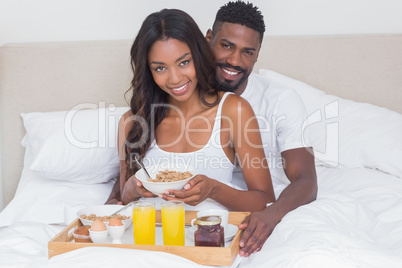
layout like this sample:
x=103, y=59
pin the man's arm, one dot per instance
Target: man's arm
x=300, y=169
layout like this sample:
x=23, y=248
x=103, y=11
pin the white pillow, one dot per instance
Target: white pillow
x=77, y=145
x=51, y=201
x=346, y=133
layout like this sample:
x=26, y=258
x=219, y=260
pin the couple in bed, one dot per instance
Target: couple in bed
x=186, y=106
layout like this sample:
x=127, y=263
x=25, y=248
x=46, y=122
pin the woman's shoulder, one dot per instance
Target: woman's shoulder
x=126, y=122
x=232, y=97
x=126, y=118
x=234, y=104
x=127, y=114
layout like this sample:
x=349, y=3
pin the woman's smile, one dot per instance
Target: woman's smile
x=180, y=90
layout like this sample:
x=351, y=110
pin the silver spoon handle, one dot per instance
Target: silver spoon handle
x=126, y=206
x=138, y=162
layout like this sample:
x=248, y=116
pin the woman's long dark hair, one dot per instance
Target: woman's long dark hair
x=148, y=100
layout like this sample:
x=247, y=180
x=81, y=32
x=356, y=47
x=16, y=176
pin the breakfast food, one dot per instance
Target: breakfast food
x=115, y=222
x=170, y=176
x=98, y=232
x=98, y=226
x=93, y=217
x=81, y=234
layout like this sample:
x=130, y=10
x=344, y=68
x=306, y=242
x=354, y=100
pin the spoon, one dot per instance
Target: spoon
x=129, y=204
x=138, y=162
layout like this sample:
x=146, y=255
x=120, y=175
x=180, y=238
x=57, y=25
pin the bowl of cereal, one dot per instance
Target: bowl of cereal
x=89, y=214
x=165, y=177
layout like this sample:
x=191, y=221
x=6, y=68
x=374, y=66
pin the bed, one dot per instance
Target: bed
x=58, y=98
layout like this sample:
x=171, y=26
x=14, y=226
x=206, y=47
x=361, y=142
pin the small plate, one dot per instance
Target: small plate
x=229, y=233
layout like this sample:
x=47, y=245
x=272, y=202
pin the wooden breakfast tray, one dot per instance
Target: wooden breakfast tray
x=219, y=256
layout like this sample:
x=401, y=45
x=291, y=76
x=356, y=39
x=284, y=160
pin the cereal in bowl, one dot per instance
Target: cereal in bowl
x=171, y=175
x=93, y=217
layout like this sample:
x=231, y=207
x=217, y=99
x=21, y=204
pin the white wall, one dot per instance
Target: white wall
x=66, y=20
x=2, y=201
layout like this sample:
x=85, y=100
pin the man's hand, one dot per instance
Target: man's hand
x=257, y=227
x=300, y=169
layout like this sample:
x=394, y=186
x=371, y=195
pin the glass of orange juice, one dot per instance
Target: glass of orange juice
x=144, y=222
x=173, y=223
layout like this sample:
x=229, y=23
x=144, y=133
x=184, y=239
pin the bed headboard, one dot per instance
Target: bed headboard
x=41, y=77
x=364, y=68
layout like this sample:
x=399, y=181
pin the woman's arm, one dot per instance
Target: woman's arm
x=122, y=132
x=114, y=197
x=245, y=137
x=126, y=191
x=247, y=144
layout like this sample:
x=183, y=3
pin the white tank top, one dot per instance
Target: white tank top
x=210, y=160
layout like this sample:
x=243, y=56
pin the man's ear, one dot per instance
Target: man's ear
x=209, y=36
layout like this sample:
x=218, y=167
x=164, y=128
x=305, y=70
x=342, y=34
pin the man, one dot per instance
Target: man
x=235, y=39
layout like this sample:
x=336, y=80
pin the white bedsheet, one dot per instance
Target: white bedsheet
x=355, y=222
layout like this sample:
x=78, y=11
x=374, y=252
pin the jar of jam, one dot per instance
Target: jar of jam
x=210, y=233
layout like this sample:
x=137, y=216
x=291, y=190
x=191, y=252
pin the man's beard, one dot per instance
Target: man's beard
x=228, y=85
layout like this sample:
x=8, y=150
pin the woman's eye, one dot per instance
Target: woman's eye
x=185, y=62
x=159, y=69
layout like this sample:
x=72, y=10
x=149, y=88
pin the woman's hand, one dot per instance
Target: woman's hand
x=195, y=191
x=134, y=190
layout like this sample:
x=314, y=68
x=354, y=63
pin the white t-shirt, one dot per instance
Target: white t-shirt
x=281, y=115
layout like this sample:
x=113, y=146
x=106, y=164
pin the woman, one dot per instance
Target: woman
x=176, y=113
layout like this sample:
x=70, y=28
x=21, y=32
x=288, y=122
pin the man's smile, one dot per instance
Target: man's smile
x=229, y=72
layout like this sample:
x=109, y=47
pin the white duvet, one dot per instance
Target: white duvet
x=356, y=221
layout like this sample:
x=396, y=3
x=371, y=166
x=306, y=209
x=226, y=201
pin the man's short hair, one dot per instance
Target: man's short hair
x=242, y=13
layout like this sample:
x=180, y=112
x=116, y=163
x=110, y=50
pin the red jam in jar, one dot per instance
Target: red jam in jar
x=210, y=233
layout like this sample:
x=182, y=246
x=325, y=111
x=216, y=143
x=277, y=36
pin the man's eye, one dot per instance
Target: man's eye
x=249, y=53
x=226, y=46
